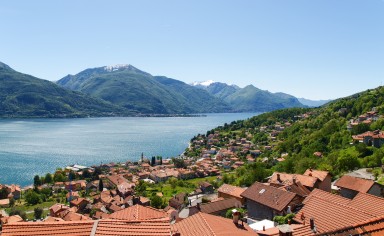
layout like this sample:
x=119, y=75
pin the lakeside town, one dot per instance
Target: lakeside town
x=198, y=193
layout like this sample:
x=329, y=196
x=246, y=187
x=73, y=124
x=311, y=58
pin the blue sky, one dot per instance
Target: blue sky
x=317, y=49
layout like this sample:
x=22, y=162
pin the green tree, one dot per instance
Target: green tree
x=36, y=181
x=3, y=193
x=12, y=202
x=101, y=185
x=38, y=212
x=86, y=174
x=19, y=212
x=156, y=201
x=59, y=177
x=48, y=178
x=32, y=198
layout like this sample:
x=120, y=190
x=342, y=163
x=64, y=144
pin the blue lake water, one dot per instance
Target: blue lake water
x=37, y=146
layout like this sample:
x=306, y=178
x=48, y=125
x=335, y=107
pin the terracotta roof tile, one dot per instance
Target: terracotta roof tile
x=329, y=215
x=81, y=228
x=328, y=196
x=84, y=228
x=297, y=188
x=231, y=190
x=216, y=206
x=368, y=203
x=373, y=227
x=354, y=183
x=307, y=181
x=209, y=225
x=321, y=175
x=138, y=212
x=269, y=196
x=298, y=230
x=147, y=228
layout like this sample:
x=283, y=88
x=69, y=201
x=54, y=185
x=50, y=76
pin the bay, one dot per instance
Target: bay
x=38, y=146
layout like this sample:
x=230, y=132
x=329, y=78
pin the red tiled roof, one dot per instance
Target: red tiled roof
x=80, y=228
x=209, y=225
x=138, y=212
x=329, y=215
x=231, y=190
x=58, y=207
x=321, y=175
x=216, y=206
x=368, y=203
x=354, y=183
x=298, y=230
x=327, y=196
x=269, y=196
x=373, y=227
x=307, y=181
x=87, y=228
x=297, y=188
x=131, y=228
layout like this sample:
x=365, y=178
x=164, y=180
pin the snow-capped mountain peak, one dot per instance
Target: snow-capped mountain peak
x=203, y=83
x=116, y=67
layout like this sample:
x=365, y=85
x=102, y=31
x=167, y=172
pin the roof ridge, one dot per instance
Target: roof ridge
x=205, y=221
x=94, y=228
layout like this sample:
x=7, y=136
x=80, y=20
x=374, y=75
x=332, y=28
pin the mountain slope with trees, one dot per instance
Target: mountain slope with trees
x=295, y=139
x=23, y=95
x=131, y=88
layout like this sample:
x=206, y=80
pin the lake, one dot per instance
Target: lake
x=38, y=146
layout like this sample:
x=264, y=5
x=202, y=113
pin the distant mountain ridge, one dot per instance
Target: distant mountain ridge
x=124, y=90
x=23, y=95
x=131, y=88
x=313, y=103
x=249, y=98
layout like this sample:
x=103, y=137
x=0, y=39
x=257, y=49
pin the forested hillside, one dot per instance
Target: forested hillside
x=293, y=140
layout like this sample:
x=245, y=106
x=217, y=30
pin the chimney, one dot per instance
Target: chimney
x=278, y=177
x=312, y=224
x=294, y=180
x=263, y=227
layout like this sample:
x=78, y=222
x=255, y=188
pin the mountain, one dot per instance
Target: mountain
x=23, y=95
x=251, y=98
x=312, y=103
x=131, y=88
x=217, y=89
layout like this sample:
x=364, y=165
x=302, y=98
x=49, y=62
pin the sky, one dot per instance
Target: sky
x=316, y=49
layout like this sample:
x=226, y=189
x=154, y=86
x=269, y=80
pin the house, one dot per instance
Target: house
x=206, y=187
x=209, y=225
x=331, y=212
x=350, y=186
x=75, y=185
x=324, y=177
x=92, y=186
x=373, y=226
x=370, y=138
x=13, y=191
x=178, y=201
x=4, y=203
x=265, y=202
x=230, y=191
x=56, y=209
x=80, y=203
x=281, y=179
x=90, y=227
x=72, y=196
x=139, y=213
x=220, y=207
